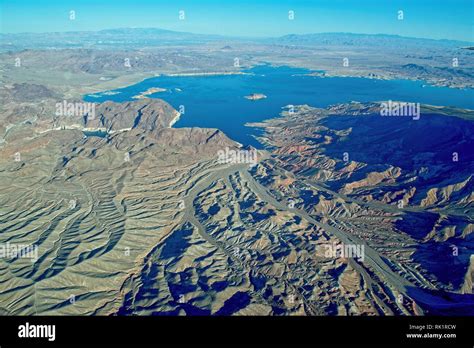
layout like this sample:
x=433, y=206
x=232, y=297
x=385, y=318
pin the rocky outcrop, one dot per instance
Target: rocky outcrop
x=146, y=114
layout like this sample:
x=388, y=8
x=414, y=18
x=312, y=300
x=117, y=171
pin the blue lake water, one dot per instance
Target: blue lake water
x=218, y=101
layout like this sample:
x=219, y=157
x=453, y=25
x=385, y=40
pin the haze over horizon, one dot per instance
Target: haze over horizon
x=432, y=19
x=245, y=37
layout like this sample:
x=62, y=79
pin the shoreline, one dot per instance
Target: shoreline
x=175, y=119
x=214, y=73
x=127, y=81
x=390, y=77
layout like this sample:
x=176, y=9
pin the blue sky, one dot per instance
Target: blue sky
x=439, y=19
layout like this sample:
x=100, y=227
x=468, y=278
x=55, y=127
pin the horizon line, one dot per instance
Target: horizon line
x=236, y=37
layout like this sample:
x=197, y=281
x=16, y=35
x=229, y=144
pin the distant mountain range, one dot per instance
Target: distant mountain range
x=138, y=37
x=360, y=39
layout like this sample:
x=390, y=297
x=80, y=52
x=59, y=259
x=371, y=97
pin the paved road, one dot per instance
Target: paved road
x=371, y=257
x=238, y=264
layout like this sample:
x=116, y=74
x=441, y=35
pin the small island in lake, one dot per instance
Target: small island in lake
x=255, y=96
x=149, y=91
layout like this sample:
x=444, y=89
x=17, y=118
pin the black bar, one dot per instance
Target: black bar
x=244, y=331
